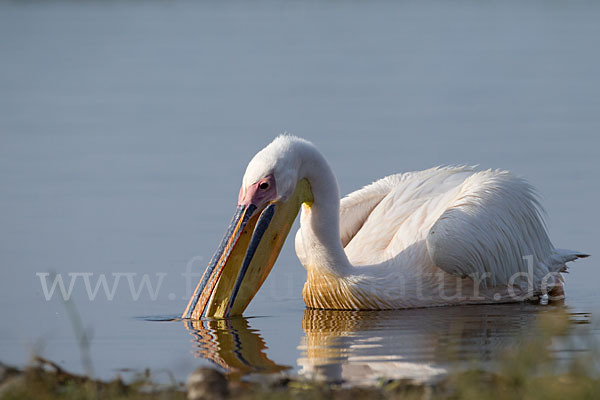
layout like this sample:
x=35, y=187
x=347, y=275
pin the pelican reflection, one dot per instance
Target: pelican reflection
x=363, y=346
x=232, y=345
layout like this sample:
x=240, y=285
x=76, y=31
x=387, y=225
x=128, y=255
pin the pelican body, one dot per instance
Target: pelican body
x=443, y=236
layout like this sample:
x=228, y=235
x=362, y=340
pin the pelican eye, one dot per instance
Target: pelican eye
x=263, y=186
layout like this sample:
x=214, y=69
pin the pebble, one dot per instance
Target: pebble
x=207, y=383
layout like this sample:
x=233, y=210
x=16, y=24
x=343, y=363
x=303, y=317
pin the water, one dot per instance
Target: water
x=125, y=128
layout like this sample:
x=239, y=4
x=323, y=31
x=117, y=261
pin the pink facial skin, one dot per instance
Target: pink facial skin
x=259, y=193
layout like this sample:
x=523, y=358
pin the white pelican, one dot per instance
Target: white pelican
x=443, y=236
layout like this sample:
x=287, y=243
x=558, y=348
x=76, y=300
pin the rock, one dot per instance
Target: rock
x=6, y=372
x=207, y=384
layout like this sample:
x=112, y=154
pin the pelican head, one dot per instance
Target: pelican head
x=273, y=189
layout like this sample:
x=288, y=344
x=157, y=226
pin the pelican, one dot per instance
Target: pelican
x=442, y=236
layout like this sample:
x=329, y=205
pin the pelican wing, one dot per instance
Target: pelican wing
x=493, y=230
x=485, y=225
x=383, y=219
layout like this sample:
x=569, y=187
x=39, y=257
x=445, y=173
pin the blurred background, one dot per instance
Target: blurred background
x=126, y=126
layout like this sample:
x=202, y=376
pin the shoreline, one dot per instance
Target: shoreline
x=525, y=377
